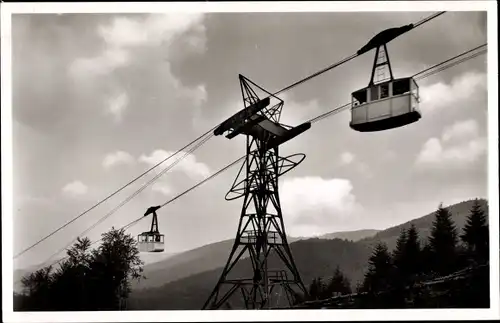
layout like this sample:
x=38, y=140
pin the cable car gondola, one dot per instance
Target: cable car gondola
x=152, y=240
x=388, y=103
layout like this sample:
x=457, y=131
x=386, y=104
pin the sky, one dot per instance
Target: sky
x=100, y=98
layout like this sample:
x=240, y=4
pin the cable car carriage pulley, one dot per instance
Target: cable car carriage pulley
x=386, y=103
x=152, y=240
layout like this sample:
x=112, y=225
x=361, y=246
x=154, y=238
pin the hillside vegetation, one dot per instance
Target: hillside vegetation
x=314, y=258
x=186, y=264
x=385, y=268
x=210, y=257
x=459, y=213
x=350, y=235
x=321, y=257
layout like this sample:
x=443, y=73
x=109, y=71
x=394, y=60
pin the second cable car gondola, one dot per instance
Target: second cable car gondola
x=152, y=240
x=388, y=103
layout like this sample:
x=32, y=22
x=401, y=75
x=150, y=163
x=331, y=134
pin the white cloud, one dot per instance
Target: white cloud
x=126, y=33
x=461, y=130
x=295, y=113
x=153, y=30
x=105, y=63
x=314, y=205
x=459, y=145
x=127, y=37
x=75, y=188
x=440, y=95
x=199, y=94
x=116, y=158
x=346, y=158
x=189, y=165
x=117, y=104
x=349, y=159
x=434, y=153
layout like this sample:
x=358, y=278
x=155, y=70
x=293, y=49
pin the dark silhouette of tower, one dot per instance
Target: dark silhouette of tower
x=270, y=272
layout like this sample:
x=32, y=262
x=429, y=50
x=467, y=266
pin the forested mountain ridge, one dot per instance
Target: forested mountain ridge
x=321, y=256
x=314, y=258
x=459, y=212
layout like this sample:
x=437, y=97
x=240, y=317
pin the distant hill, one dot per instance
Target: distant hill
x=314, y=257
x=350, y=235
x=151, y=258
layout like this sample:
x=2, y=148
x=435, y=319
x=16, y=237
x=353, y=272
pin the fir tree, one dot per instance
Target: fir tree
x=339, y=284
x=378, y=277
x=316, y=289
x=398, y=256
x=413, y=253
x=476, y=234
x=427, y=259
x=443, y=241
x=406, y=258
x=399, y=252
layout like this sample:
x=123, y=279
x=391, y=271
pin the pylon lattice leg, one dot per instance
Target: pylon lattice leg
x=261, y=231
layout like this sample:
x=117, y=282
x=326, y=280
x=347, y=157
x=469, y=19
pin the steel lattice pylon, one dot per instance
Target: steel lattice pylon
x=261, y=231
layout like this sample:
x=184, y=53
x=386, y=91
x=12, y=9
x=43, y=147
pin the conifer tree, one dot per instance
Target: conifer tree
x=338, y=284
x=398, y=257
x=315, y=289
x=413, y=253
x=443, y=241
x=427, y=259
x=380, y=268
x=476, y=234
x=398, y=253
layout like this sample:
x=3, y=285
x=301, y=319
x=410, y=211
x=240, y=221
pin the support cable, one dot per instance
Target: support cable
x=345, y=60
x=133, y=195
x=437, y=68
x=429, y=71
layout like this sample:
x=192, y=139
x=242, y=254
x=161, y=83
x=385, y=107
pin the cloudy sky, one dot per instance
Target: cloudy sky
x=99, y=98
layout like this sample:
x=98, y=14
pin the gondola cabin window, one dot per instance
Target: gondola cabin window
x=373, y=93
x=151, y=242
x=384, y=91
x=385, y=105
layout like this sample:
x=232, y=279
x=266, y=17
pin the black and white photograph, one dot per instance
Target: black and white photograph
x=266, y=160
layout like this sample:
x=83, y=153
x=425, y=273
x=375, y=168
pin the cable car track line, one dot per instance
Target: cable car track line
x=451, y=65
x=133, y=195
x=333, y=112
x=345, y=60
x=111, y=195
x=448, y=60
x=316, y=119
x=321, y=117
x=131, y=224
x=423, y=21
x=429, y=72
